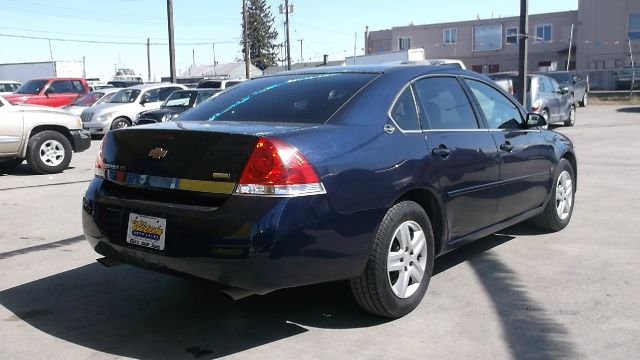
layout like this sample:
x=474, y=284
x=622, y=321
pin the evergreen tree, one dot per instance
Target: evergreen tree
x=261, y=34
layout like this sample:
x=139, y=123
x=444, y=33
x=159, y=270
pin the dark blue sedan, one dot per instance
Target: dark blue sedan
x=358, y=173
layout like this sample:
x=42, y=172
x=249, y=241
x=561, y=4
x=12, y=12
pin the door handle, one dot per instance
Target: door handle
x=441, y=151
x=506, y=147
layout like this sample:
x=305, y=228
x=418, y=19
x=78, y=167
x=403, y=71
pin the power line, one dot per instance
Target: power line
x=113, y=42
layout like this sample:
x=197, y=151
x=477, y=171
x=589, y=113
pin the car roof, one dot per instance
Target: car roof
x=58, y=78
x=152, y=86
x=400, y=69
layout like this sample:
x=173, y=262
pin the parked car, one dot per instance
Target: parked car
x=44, y=136
x=54, y=92
x=544, y=96
x=217, y=84
x=177, y=103
x=90, y=99
x=120, y=111
x=8, y=87
x=577, y=83
x=360, y=173
x=623, y=78
x=124, y=83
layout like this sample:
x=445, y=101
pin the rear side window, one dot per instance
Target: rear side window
x=304, y=98
x=445, y=104
x=61, y=87
x=404, y=111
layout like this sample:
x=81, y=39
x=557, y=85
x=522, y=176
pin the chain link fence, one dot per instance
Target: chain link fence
x=622, y=79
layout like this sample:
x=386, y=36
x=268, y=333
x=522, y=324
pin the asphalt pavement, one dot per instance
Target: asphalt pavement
x=518, y=294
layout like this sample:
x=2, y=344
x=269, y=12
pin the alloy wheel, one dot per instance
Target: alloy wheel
x=406, y=259
x=564, y=195
x=52, y=153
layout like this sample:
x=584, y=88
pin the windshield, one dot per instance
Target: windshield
x=180, y=99
x=87, y=99
x=562, y=78
x=304, y=98
x=32, y=87
x=125, y=96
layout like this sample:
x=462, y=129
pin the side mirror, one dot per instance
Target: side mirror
x=535, y=120
x=565, y=90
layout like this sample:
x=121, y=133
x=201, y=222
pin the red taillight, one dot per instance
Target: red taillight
x=276, y=168
x=536, y=106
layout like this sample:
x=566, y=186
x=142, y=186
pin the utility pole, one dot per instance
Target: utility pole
x=214, y=58
x=633, y=67
x=50, y=50
x=84, y=68
x=247, y=56
x=193, y=58
x=522, y=63
x=300, y=49
x=570, y=44
x=148, y=60
x=172, y=45
x=355, y=42
x=286, y=19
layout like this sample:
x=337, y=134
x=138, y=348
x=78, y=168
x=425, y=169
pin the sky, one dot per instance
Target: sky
x=325, y=27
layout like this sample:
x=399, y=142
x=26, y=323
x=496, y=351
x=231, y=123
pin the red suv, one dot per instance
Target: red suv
x=49, y=92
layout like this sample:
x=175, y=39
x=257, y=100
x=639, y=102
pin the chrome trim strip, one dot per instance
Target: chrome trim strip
x=491, y=184
x=5, y=139
x=140, y=180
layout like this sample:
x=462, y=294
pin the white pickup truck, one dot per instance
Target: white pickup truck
x=44, y=136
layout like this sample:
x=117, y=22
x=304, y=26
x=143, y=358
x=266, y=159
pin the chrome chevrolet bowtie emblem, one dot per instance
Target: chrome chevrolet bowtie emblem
x=158, y=153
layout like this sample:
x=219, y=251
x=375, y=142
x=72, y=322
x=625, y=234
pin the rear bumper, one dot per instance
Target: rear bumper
x=246, y=242
x=81, y=140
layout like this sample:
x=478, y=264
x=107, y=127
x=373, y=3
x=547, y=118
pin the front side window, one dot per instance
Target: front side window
x=404, y=111
x=302, y=98
x=543, y=33
x=634, y=26
x=445, y=104
x=32, y=87
x=450, y=36
x=152, y=95
x=404, y=43
x=512, y=35
x=497, y=109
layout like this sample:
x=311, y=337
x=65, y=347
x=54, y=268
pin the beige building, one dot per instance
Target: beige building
x=600, y=30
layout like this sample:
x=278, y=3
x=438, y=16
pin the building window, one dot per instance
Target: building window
x=512, y=35
x=450, y=36
x=634, y=26
x=487, y=38
x=404, y=43
x=543, y=33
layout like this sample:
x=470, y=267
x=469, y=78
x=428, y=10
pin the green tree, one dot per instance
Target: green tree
x=261, y=34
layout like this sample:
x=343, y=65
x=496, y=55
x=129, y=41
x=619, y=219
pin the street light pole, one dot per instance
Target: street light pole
x=172, y=47
x=522, y=63
x=286, y=19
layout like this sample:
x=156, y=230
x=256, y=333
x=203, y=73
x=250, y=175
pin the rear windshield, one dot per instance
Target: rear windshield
x=563, y=78
x=306, y=98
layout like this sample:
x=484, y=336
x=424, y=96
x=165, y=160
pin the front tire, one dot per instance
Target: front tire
x=585, y=100
x=557, y=213
x=400, y=263
x=120, y=123
x=48, y=152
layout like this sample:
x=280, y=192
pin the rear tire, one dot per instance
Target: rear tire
x=400, y=263
x=585, y=100
x=10, y=164
x=48, y=152
x=557, y=213
x=571, y=120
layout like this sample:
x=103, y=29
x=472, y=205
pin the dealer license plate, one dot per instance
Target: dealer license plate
x=147, y=231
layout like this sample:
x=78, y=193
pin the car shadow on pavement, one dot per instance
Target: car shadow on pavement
x=135, y=313
x=25, y=170
x=630, y=109
x=530, y=332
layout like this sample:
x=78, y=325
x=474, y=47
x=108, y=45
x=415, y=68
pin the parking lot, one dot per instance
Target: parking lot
x=516, y=294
